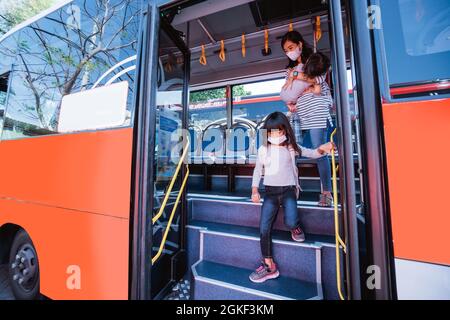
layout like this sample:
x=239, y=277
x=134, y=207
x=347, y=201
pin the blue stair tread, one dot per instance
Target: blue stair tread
x=254, y=232
x=245, y=199
x=283, y=286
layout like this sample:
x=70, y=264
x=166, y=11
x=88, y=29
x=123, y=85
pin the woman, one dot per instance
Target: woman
x=312, y=110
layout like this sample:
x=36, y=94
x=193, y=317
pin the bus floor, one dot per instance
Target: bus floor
x=180, y=291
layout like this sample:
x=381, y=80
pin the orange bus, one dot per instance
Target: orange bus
x=95, y=203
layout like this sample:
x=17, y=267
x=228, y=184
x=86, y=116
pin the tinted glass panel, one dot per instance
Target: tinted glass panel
x=417, y=40
x=82, y=46
x=255, y=101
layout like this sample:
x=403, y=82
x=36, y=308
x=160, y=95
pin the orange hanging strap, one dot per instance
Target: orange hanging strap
x=291, y=27
x=266, y=40
x=222, y=51
x=203, y=56
x=318, y=29
x=244, y=50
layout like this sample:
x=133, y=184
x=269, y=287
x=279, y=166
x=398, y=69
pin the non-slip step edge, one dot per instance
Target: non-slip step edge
x=252, y=233
x=313, y=273
x=244, y=200
x=246, y=285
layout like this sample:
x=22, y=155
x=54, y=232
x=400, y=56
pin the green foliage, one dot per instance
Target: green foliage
x=13, y=12
x=205, y=95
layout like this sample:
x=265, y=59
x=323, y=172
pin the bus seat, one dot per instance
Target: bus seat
x=195, y=135
x=213, y=145
x=238, y=144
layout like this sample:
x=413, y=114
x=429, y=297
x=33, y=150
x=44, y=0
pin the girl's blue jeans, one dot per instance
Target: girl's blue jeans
x=275, y=197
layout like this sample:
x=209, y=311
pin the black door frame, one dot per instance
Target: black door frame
x=373, y=153
x=142, y=201
x=346, y=164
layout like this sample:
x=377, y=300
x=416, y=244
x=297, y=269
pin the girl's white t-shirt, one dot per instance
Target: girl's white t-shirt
x=279, y=166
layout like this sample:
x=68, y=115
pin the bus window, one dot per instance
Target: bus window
x=81, y=46
x=254, y=101
x=416, y=41
x=3, y=93
x=206, y=107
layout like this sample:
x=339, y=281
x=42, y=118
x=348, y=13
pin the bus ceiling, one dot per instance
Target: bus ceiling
x=204, y=24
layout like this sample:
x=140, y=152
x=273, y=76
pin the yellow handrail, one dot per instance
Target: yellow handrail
x=175, y=206
x=172, y=182
x=338, y=240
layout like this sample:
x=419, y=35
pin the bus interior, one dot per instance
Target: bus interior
x=235, y=69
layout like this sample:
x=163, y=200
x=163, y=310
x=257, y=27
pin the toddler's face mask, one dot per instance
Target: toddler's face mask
x=277, y=140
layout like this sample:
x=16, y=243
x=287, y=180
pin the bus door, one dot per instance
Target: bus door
x=169, y=177
x=160, y=174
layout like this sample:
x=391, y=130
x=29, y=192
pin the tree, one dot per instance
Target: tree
x=68, y=50
x=206, y=95
x=13, y=12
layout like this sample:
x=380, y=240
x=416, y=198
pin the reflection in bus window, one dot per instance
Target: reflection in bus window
x=416, y=35
x=169, y=113
x=426, y=26
x=254, y=101
x=83, y=45
x=3, y=94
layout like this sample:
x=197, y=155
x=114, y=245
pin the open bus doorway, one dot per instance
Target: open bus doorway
x=234, y=96
x=236, y=69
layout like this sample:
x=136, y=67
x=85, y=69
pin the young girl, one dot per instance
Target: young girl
x=311, y=112
x=277, y=158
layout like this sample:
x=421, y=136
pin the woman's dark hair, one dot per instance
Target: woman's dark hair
x=278, y=121
x=296, y=37
x=316, y=65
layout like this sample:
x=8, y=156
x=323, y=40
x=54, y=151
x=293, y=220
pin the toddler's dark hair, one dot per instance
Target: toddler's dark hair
x=316, y=65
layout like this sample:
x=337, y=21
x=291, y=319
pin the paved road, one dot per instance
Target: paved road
x=5, y=290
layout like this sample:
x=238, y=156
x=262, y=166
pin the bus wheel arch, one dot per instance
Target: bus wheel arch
x=7, y=234
x=22, y=260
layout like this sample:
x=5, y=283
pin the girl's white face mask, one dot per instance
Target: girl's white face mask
x=294, y=54
x=277, y=140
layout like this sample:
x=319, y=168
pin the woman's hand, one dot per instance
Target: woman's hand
x=256, y=197
x=292, y=107
x=317, y=90
x=301, y=76
x=290, y=79
x=288, y=84
x=326, y=148
x=309, y=90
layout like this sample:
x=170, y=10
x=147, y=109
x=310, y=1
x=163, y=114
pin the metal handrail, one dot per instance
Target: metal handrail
x=175, y=206
x=338, y=240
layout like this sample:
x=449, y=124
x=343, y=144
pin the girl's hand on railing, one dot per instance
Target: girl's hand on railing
x=326, y=148
x=256, y=197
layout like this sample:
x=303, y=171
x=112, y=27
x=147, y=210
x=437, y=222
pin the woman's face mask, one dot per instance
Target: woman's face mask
x=294, y=54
